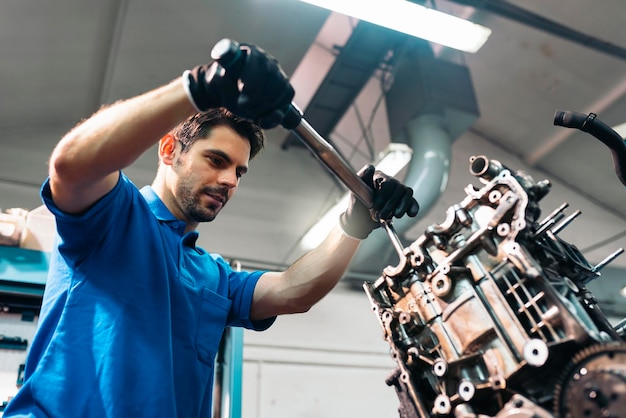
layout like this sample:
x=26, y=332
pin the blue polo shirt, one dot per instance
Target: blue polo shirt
x=132, y=315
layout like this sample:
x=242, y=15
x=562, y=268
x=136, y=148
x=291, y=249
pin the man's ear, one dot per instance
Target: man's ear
x=167, y=149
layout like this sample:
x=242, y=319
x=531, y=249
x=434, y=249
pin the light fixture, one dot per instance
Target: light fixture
x=413, y=19
x=390, y=161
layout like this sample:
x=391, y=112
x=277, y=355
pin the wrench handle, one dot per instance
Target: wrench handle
x=325, y=152
x=335, y=164
x=228, y=54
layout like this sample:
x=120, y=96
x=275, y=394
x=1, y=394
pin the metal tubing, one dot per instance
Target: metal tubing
x=427, y=175
x=566, y=222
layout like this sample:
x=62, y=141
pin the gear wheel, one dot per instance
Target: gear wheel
x=594, y=384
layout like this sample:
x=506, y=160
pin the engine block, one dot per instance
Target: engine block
x=488, y=314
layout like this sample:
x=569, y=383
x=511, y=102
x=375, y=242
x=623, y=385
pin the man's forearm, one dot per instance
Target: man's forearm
x=318, y=271
x=117, y=135
x=307, y=280
x=84, y=164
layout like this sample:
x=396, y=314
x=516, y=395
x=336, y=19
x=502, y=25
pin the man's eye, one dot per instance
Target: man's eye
x=215, y=161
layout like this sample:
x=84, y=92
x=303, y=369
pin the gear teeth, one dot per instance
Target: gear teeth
x=582, y=358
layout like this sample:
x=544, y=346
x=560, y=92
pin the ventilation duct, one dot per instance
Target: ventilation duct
x=354, y=66
x=430, y=104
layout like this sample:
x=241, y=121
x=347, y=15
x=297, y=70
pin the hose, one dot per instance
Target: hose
x=600, y=130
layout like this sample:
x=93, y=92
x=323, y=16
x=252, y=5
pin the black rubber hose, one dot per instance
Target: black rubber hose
x=600, y=130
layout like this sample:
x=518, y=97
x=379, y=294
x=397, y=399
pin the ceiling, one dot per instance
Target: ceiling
x=61, y=60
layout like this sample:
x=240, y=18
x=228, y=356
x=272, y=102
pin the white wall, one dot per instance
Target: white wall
x=329, y=362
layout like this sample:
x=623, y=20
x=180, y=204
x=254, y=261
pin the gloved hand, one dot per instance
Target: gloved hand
x=390, y=198
x=255, y=88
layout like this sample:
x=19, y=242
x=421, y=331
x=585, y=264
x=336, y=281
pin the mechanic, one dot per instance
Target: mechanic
x=133, y=310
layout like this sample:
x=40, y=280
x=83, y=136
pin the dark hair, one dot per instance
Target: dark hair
x=199, y=126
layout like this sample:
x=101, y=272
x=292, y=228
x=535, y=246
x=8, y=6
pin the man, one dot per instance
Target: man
x=133, y=311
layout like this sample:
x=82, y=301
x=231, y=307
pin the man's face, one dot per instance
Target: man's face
x=208, y=174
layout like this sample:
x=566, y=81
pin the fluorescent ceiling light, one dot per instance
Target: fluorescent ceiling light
x=391, y=161
x=413, y=19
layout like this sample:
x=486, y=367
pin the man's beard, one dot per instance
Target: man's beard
x=191, y=203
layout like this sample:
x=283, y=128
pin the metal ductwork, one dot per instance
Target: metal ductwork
x=427, y=174
x=430, y=104
x=353, y=67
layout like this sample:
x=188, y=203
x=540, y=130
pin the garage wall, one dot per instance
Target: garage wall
x=329, y=362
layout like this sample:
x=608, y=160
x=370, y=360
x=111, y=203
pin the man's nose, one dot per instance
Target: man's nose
x=229, y=178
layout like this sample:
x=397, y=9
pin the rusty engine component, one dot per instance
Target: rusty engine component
x=488, y=314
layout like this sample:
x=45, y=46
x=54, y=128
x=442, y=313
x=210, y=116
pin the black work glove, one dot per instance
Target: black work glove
x=389, y=198
x=255, y=88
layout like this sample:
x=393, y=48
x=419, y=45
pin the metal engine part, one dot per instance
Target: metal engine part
x=486, y=310
x=595, y=383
